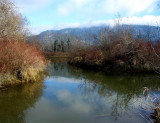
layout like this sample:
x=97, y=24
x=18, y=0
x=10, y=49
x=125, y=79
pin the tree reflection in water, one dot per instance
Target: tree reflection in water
x=124, y=92
x=113, y=95
x=16, y=100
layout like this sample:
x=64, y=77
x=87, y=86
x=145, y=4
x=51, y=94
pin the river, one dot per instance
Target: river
x=73, y=95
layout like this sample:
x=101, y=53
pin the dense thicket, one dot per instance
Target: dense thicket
x=120, y=51
x=19, y=61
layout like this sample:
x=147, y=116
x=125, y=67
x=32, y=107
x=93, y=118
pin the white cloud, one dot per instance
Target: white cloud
x=129, y=7
x=63, y=79
x=145, y=20
x=74, y=102
x=63, y=10
x=66, y=7
x=39, y=29
x=93, y=9
x=70, y=6
x=31, y=5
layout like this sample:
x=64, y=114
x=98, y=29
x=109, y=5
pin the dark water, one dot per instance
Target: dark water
x=73, y=95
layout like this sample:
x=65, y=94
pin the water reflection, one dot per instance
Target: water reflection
x=124, y=92
x=120, y=92
x=16, y=100
x=70, y=95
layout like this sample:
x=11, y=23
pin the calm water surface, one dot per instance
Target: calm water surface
x=73, y=95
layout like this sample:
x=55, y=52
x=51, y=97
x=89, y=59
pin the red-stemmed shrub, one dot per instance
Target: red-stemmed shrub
x=21, y=60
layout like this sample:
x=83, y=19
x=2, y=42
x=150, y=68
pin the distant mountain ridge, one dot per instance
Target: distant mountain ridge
x=90, y=34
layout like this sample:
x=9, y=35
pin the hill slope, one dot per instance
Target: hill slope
x=92, y=34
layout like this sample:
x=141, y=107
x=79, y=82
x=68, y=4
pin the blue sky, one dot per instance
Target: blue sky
x=57, y=14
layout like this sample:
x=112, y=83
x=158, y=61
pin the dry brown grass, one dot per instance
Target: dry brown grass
x=150, y=105
x=20, y=61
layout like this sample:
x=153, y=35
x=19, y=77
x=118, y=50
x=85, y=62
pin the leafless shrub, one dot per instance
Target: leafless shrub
x=12, y=23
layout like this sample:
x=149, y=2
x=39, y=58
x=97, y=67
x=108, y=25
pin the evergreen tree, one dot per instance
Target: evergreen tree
x=62, y=46
x=55, y=45
x=68, y=44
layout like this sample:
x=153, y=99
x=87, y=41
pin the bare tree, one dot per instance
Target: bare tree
x=12, y=23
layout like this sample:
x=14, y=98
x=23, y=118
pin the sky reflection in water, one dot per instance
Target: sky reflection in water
x=73, y=95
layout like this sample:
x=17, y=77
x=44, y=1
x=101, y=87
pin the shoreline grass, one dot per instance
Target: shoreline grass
x=20, y=62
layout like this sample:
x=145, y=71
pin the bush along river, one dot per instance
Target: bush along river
x=73, y=95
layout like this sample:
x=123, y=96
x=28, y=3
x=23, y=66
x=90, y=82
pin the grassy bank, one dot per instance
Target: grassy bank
x=20, y=62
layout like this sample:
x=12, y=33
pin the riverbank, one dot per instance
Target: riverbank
x=89, y=96
x=94, y=59
x=52, y=55
x=20, y=63
x=136, y=57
